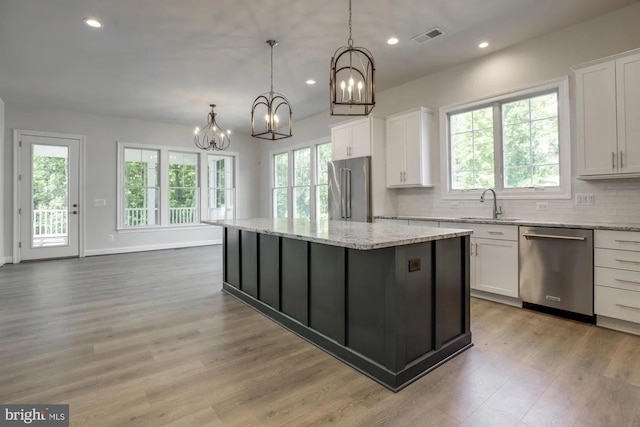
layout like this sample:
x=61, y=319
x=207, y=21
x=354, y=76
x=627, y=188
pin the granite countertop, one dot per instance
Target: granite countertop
x=526, y=222
x=353, y=235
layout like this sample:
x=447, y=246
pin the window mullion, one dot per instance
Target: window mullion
x=498, y=150
x=164, y=187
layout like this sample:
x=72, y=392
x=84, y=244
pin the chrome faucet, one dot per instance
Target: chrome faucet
x=497, y=210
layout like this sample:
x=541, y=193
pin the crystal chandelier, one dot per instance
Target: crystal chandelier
x=266, y=106
x=211, y=137
x=352, y=80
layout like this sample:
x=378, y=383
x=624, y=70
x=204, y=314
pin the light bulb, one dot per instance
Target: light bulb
x=196, y=130
x=275, y=119
x=214, y=129
x=266, y=117
x=229, y=132
x=360, y=85
x=343, y=85
x=351, y=81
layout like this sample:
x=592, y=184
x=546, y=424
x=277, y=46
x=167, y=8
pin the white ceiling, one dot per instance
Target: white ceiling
x=166, y=60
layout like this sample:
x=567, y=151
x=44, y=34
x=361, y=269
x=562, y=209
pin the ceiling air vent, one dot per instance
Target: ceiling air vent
x=428, y=35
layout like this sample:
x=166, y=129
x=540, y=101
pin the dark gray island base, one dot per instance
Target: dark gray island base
x=394, y=313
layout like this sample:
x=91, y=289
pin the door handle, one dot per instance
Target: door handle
x=551, y=236
x=74, y=212
x=75, y=205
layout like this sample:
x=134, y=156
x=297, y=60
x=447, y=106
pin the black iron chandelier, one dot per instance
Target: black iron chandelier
x=352, y=81
x=267, y=106
x=212, y=137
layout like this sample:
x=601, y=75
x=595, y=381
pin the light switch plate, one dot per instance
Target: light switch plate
x=99, y=202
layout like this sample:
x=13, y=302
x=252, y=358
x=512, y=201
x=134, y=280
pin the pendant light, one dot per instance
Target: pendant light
x=352, y=82
x=271, y=112
x=212, y=137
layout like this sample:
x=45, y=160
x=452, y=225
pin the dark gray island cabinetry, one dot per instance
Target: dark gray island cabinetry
x=392, y=301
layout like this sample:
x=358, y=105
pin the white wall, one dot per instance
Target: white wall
x=530, y=63
x=6, y=196
x=102, y=134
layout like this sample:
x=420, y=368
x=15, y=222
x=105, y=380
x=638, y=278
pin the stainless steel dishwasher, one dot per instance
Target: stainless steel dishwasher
x=556, y=270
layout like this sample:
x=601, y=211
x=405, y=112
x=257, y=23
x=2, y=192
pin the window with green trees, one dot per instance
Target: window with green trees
x=323, y=156
x=513, y=143
x=281, y=185
x=141, y=187
x=221, y=187
x=300, y=182
x=183, y=188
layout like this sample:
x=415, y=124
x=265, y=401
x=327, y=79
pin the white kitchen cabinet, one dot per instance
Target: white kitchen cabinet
x=408, y=149
x=608, y=117
x=353, y=138
x=494, y=258
x=616, y=278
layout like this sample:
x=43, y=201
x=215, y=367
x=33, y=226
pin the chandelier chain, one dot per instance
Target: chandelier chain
x=271, y=69
x=350, y=36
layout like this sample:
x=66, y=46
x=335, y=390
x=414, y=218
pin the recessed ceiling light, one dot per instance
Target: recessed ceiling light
x=310, y=82
x=392, y=40
x=483, y=45
x=93, y=23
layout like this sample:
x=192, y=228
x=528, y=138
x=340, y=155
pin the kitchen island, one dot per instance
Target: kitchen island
x=389, y=300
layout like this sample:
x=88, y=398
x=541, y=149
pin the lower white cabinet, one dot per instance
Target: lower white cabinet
x=616, y=278
x=494, y=257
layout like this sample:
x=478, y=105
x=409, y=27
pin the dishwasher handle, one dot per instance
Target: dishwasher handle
x=552, y=236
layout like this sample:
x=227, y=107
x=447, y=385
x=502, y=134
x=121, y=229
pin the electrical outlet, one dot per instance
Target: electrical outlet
x=584, y=199
x=111, y=237
x=454, y=205
x=542, y=206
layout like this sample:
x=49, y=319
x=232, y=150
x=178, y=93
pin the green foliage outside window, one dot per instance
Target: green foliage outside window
x=49, y=183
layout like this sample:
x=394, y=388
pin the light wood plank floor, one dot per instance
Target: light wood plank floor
x=149, y=339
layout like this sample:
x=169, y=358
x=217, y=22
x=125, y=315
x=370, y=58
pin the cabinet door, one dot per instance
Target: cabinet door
x=628, y=87
x=340, y=137
x=395, y=152
x=596, y=119
x=360, y=138
x=496, y=268
x=413, y=155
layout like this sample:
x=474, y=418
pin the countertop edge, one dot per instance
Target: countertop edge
x=451, y=233
x=517, y=222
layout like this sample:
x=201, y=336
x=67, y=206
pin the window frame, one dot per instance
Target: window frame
x=563, y=191
x=312, y=145
x=232, y=188
x=198, y=187
x=163, y=205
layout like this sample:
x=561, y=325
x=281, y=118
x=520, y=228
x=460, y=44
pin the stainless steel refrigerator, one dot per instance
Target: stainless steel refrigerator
x=350, y=190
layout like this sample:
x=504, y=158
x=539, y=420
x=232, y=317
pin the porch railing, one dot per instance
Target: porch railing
x=50, y=222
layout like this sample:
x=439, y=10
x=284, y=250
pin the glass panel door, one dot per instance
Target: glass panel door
x=49, y=198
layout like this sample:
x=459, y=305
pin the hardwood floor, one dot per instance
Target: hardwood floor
x=149, y=339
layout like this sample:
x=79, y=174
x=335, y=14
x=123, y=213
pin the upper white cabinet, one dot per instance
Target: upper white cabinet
x=408, y=149
x=352, y=138
x=608, y=117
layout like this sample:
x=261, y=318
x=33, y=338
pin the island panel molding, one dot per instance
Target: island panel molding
x=394, y=313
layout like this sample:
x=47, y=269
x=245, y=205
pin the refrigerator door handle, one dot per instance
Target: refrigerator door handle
x=343, y=207
x=348, y=192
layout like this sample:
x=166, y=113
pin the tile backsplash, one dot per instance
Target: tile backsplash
x=615, y=201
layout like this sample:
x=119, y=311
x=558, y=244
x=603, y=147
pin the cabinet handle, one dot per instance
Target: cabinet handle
x=628, y=261
x=613, y=160
x=628, y=241
x=495, y=232
x=476, y=249
x=400, y=176
x=621, y=154
x=633, y=282
x=628, y=306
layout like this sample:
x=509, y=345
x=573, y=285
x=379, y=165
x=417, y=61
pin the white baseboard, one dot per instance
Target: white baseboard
x=618, y=325
x=5, y=260
x=127, y=249
x=502, y=299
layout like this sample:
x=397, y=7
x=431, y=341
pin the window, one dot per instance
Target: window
x=517, y=144
x=280, y=186
x=160, y=186
x=302, y=183
x=323, y=155
x=183, y=188
x=301, y=189
x=221, y=187
x=141, y=187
